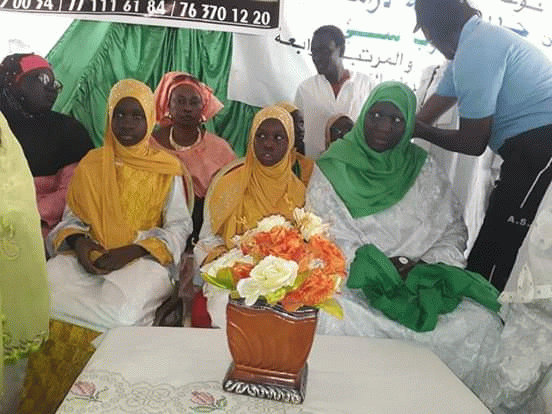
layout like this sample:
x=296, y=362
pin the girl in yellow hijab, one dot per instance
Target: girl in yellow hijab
x=126, y=220
x=260, y=185
x=264, y=184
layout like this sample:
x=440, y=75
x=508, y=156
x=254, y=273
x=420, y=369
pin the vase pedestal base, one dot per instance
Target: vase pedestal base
x=267, y=384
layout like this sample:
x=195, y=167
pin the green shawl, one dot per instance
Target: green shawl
x=24, y=301
x=366, y=180
x=428, y=291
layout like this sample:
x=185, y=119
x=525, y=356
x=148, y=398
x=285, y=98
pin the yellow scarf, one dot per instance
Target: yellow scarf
x=96, y=193
x=252, y=191
x=24, y=301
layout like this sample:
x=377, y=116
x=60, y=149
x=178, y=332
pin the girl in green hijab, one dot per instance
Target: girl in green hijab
x=376, y=164
x=393, y=214
x=24, y=302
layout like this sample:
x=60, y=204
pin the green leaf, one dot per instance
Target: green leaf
x=224, y=276
x=215, y=281
x=333, y=307
x=301, y=277
x=277, y=295
x=222, y=403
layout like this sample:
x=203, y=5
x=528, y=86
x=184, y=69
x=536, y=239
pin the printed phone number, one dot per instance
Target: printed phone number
x=176, y=9
x=222, y=14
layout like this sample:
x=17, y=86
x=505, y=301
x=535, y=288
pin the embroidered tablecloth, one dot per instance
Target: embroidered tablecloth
x=180, y=370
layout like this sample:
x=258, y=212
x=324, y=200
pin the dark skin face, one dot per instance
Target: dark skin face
x=185, y=106
x=383, y=126
x=270, y=142
x=339, y=128
x=446, y=47
x=129, y=123
x=299, y=129
x=327, y=57
x=38, y=90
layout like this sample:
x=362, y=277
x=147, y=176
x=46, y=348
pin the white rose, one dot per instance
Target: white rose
x=268, y=223
x=308, y=223
x=268, y=276
x=265, y=225
x=226, y=260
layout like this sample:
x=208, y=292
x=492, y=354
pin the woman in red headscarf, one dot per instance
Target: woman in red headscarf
x=53, y=143
x=183, y=104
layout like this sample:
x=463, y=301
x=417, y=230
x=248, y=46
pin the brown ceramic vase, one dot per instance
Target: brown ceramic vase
x=269, y=348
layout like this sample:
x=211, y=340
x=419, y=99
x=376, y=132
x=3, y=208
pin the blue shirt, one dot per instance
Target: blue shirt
x=497, y=72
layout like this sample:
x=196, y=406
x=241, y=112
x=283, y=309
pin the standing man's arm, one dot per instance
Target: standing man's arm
x=474, y=134
x=472, y=138
x=434, y=107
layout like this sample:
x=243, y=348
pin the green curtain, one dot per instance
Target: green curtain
x=92, y=56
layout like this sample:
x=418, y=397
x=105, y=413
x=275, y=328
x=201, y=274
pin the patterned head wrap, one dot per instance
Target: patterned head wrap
x=172, y=80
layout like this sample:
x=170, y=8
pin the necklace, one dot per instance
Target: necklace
x=179, y=147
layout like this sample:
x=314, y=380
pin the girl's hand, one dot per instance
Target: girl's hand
x=115, y=259
x=83, y=247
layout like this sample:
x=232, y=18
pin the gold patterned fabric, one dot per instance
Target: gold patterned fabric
x=252, y=191
x=53, y=369
x=302, y=166
x=119, y=190
x=24, y=301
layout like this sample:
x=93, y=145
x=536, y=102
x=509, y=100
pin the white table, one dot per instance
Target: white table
x=176, y=370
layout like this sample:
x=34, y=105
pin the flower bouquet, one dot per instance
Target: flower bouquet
x=278, y=275
x=291, y=263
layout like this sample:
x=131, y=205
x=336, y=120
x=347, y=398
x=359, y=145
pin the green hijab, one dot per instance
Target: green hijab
x=366, y=180
x=24, y=301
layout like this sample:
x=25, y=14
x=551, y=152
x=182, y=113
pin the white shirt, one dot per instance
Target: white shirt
x=316, y=99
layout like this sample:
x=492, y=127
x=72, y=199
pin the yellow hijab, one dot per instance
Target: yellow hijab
x=252, y=191
x=94, y=192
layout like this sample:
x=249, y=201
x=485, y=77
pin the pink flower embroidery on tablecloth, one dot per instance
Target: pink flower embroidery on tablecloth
x=86, y=390
x=205, y=402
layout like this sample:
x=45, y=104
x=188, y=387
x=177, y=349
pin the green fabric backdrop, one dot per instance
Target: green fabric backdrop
x=92, y=56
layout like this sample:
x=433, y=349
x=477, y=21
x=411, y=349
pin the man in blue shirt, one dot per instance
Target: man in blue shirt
x=503, y=87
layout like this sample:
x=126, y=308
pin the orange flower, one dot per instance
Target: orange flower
x=315, y=290
x=241, y=271
x=280, y=242
x=323, y=249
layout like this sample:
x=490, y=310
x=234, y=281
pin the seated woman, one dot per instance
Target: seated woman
x=386, y=198
x=260, y=185
x=183, y=104
x=53, y=143
x=126, y=223
x=336, y=128
x=301, y=165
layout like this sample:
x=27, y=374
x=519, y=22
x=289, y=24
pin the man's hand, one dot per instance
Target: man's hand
x=115, y=259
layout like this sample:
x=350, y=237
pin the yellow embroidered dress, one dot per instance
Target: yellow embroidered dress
x=120, y=196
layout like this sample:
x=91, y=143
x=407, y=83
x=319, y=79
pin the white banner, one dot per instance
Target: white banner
x=379, y=41
x=261, y=17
